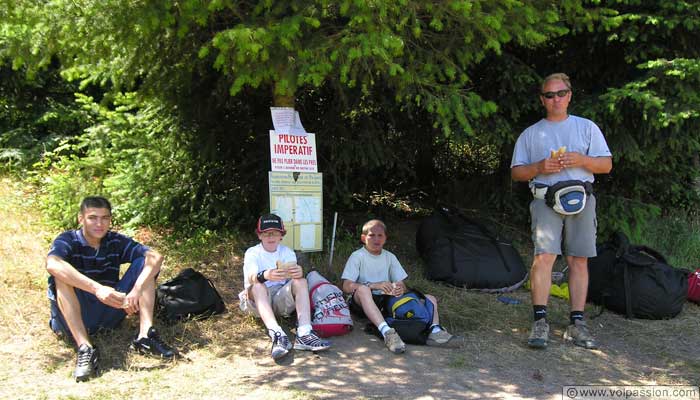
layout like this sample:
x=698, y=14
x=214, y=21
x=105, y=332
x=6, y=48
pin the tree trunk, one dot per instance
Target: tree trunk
x=696, y=165
x=282, y=100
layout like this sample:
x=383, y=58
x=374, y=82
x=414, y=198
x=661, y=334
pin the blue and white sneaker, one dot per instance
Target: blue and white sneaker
x=311, y=342
x=280, y=345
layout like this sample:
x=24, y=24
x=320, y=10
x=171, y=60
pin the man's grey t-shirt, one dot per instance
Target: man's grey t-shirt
x=578, y=134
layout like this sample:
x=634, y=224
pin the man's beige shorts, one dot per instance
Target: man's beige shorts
x=282, y=300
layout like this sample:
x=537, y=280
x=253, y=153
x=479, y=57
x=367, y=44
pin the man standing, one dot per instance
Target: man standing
x=85, y=290
x=558, y=156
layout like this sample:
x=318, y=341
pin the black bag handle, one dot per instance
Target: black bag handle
x=648, y=250
x=621, y=244
x=451, y=215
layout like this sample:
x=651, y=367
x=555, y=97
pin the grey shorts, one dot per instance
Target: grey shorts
x=281, y=297
x=578, y=231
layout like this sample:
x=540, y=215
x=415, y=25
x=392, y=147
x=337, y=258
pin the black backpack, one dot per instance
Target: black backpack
x=635, y=281
x=189, y=294
x=462, y=252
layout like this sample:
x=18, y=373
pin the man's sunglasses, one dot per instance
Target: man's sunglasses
x=558, y=93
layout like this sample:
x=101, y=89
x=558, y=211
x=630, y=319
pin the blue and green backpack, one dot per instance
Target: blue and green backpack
x=411, y=314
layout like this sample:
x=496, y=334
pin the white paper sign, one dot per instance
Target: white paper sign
x=284, y=208
x=307, y=209
x=293, y=153
x=307, y=235
x=286, y=120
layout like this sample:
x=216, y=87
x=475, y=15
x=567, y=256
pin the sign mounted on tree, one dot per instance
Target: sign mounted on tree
x=286, y=120
x=298, y=199
x=293, y=153
x=295, y=184
x=291, y=147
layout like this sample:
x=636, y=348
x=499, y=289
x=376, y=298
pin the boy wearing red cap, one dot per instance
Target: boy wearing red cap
x=274, y=285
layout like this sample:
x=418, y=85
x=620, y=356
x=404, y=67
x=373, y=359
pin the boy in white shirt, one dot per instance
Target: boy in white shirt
x=372, y=273
x=275, y=285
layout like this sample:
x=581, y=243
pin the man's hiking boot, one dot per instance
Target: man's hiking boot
x=539, y=334
x=578, y=334
x=442, y=338
x=87, y=363
x=393, y=342
x=153, y=345
x=311, y=342
x=280, y=345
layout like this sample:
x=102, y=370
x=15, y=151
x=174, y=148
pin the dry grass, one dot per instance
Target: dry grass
x=228, y=356
x=35, y=364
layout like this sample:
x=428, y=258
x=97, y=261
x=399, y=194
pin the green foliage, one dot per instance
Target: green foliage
x=135, y=154
x=421, y=51
x=34, y=116
x=634, y=69
x=410, y=100
x=677, y=235
x=652, y=118
x=616, y=213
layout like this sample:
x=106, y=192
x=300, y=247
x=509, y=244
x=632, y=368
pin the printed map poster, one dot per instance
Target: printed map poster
x=292, y=152
x=297, y=198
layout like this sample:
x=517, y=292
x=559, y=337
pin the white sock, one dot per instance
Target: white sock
x=303, y=330
x=434, y=328
x=383, y=327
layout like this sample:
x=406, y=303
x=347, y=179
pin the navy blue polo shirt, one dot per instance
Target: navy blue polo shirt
x=101, y=265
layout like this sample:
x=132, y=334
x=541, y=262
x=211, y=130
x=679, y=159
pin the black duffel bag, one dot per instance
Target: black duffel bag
x=635, y=281
x=463, y=252
x=188, y=295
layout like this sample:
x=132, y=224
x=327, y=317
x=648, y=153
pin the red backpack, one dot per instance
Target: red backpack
x=694, y=286
x=330, y=314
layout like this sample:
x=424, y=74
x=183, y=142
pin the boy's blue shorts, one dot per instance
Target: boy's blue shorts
x=96, y=315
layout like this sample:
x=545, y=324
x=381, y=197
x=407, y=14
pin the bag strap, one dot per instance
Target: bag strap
x=213, y=288
x=621, y=244
x=484, y=231
x=492, y=238
x=316, y=286
x=628, y=292
x=453, y=266
x=426, y=303
x=648, y=250
x=313, y=290
x=403, y=300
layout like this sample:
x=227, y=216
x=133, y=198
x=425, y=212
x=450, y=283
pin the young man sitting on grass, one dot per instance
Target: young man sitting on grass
x=85, y=290
x=275, y=285
x=370, y=274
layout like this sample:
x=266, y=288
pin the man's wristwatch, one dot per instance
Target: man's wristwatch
x=261, y=277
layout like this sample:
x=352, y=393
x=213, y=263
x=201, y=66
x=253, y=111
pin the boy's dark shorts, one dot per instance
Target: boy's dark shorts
x=96, y=315
x=379, y=300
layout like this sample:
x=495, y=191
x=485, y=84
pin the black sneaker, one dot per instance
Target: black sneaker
x=153, y=345
x=87, y=363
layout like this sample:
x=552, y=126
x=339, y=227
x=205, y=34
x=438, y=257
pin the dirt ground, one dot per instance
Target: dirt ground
x=492, y=365
x=227, y=356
